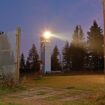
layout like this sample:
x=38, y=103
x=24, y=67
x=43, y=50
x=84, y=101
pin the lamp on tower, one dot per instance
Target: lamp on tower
x=46, y=51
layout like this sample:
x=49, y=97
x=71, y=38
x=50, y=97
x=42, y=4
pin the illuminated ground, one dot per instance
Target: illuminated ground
x=59, y=90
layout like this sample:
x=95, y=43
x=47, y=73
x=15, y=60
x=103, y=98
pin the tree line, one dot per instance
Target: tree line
x=79, y=54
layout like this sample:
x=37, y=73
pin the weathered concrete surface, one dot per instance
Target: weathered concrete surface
x=7, y=58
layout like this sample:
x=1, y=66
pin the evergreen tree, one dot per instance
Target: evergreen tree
x=27, y=66
x=22, y=63
x=55, y=65
x=77, y=49
x=66, y=57
x=95, y=44
x=78, y=37
x=33, y=58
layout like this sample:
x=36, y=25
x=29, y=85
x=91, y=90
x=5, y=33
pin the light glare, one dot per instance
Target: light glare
x=47, y=34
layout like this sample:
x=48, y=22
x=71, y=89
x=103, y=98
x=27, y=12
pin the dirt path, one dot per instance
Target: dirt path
x=44, y=96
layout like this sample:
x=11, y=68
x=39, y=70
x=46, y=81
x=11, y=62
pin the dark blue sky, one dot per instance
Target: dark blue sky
x=60, y=16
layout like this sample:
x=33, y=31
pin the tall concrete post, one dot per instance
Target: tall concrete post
x=104, y=30
x=18, y=33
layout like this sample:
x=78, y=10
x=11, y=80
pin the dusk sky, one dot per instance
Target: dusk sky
x=59, y=16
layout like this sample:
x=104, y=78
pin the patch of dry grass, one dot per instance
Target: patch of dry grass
x=87, y=82
x=66, y=90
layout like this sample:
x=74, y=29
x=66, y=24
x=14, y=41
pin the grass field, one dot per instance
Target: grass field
x=57, y=90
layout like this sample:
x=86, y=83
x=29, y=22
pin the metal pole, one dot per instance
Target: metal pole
x=18, y=32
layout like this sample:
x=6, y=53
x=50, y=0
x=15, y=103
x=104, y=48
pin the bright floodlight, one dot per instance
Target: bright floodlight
x=47, y=34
